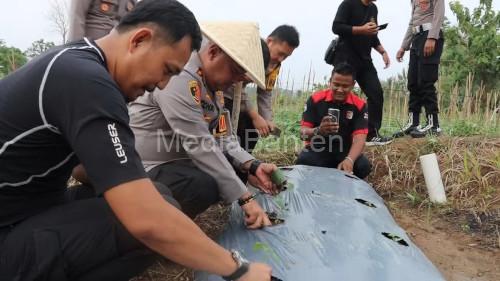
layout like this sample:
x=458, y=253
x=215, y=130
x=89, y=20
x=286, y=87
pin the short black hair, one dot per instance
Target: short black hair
x=344, y=69
x=286, y=33
x=172, y=18
x=265, y=53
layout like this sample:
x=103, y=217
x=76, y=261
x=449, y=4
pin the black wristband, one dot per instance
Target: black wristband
x=242, y=202
x=254, y=166
x=238, y=273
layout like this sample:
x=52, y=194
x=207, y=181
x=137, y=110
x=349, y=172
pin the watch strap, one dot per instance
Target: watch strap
x=254, y=166
x=238, y=273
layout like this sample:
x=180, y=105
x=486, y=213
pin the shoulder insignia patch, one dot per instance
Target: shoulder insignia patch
x=195, y=91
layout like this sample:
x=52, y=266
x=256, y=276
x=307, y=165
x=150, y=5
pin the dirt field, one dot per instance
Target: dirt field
x=462, y=239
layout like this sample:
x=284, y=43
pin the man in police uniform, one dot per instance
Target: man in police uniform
x=336, y=143
x=184, y=131
x=96, y=18
x=74, y=100
x=425, y=37
x=281, y=43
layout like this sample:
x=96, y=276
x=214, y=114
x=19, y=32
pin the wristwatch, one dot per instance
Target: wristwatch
x=254, y=166
x=243, y=266
x=316, y=131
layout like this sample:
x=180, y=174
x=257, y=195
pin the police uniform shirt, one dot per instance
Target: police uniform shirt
x=95, y=18
x=425, y=11
x=264, y=96
x=353, y=114
x=180, y=122
x=61, y=109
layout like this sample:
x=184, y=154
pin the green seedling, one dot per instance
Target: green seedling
x=268, y=251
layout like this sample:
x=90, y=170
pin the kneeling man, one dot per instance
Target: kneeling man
x=183, y=131
x=335, y=126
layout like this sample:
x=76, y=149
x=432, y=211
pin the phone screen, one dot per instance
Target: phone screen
x=382, y=26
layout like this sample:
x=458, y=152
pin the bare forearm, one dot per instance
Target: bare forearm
x=357, y=147
x=306, y=133
x=166, y=230
x=380, y=49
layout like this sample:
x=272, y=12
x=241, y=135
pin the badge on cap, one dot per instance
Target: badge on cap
x=348, y=115
x=195, y=90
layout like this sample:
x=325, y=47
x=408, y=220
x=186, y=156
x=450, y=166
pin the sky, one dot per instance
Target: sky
x=25, y=21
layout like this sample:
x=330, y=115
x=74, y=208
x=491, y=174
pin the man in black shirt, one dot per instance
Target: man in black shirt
x=356, y=25
x=68, y=106
x=336, y=141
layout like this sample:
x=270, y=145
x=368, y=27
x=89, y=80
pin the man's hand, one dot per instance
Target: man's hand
x=327, y=126
x=271, y=125
x=430, y=47
x=257, y=272
x=368, y=28
x=400, y=54
x=262, y=178
x=255, y=217
x=386, y=59
x=261, y=125
x=346, y=165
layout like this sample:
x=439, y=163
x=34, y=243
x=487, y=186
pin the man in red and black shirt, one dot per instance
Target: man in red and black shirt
x=336, y=141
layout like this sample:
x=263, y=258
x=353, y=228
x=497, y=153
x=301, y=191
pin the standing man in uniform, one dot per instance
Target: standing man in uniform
x=357, y=26
x=183, y=132
x=95, y=18
x=425, y=37
x=331, y=142
x=74, y=111
x=252, y=123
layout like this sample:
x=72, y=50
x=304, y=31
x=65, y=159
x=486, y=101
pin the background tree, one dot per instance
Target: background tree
x=38, y=47
x=58, y=16
x=472, y=46
x=10, y=59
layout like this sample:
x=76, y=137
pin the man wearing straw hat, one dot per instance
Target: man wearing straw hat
x=282, y=41
x=184, y=133
x=73, y=101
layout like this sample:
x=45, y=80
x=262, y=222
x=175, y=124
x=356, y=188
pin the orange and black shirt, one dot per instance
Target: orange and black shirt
x=353, y=114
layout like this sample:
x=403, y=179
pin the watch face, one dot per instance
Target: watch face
x=238, y=257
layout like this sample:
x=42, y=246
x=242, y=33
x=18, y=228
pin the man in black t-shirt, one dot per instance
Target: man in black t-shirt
x=356, y=24
x=336, y=140
x=68, y=106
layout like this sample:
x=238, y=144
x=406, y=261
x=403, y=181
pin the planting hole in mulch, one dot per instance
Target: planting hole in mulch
x=395, y=238
x=366, y=203
x=275, y=220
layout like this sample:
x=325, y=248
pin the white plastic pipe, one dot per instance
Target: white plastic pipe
x=433, y=179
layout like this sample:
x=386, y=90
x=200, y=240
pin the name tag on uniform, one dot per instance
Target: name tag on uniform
x=223, y=125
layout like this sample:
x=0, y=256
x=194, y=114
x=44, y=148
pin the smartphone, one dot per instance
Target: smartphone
x=335, y=114
x=382, y=26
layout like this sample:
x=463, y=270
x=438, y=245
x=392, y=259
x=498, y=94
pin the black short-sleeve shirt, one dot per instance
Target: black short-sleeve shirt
x=61, y=109
x=353, y=115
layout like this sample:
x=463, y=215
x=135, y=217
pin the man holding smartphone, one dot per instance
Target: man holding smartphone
x=335, y=125
x=356, y=25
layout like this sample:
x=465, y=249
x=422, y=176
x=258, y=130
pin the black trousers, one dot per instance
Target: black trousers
x=423, y=74
x=248, y=136
x=367, y=78
x=79, y=240
x=194, y=189
x=361, y=168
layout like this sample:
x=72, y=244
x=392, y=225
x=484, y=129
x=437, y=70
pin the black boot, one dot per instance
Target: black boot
x=413, y=122
x=432, y=127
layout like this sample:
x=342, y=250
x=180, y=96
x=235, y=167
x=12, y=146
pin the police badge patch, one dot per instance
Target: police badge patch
x=348, y=115
x=195, y=90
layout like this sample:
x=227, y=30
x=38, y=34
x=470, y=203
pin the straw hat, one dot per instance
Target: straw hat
x=240, y=41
